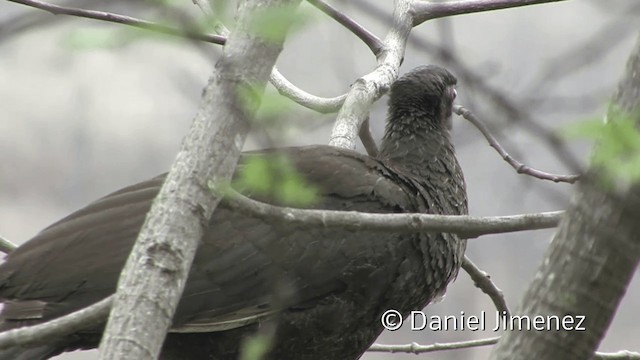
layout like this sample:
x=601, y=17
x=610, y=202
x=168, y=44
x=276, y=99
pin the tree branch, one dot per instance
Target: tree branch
x=370, y=39
x=52, y=330
x=483, y=281
x=370, y=87
x=367, y=139
x=121, y=19
x=284, y=87
x=427, y=10
x=467, y=226
x=518, y=166
x=310, y=101
x=590, y=261
x=415, y=348
x=153, y=277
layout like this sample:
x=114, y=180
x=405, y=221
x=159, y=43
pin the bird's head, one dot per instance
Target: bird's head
x=425, y=93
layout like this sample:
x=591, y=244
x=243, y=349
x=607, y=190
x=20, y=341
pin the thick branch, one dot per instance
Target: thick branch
x=370, y=87
x=518, y=166
x=467, y=226
x=427, y=10
x=153, y=277
x=590, y=262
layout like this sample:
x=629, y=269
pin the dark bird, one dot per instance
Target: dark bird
x=323, y=290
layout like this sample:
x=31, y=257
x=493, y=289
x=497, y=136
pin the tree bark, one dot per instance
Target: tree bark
x=590, y=261
x=155, y=273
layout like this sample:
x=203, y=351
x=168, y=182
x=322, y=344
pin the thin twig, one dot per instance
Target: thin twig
x=482, y=280
x=520, y=168
x=367, y=139
x=284, y=87
x=467, y=226
x=415, y=348
x=122, y=19
x=54, y=329
x=370, y=39
x=427, y=10
x=472, y=80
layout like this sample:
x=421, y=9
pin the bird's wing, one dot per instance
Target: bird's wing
x=252, y=268
x=241, y=260
x=76, y=261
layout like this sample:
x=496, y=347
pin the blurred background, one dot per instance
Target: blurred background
x=88, y=107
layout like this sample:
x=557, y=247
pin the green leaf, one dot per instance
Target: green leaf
x=617, y=149
x=256, y=347
x=272, y=24
x=275, y=177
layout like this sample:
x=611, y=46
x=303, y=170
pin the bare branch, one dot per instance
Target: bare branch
x=284, y=87
x=367, y=139
x=121, y=19
x=51, y=330
x=415, y=348
x=6, y=246
x=427, y=10
x=370, y=87
x=520, y=168
x=482, y=280
x=316, y=103
x=370, y=39
x=467, y=226
x=155, y=273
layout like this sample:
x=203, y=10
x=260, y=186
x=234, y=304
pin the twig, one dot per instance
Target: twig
x=472, y=80
x=467, y=226
x=518, y=166
x=122, y=19
x=57, y=328
x=415, y=348
x=284, y=87
x=6, y=246
x=370, y=39
x=367, y=139
x=427, y=10
x=482, y=280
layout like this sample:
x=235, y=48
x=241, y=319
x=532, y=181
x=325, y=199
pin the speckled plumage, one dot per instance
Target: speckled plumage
x=337, y=283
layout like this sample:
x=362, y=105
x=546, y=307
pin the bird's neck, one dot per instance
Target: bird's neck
x=415, y=144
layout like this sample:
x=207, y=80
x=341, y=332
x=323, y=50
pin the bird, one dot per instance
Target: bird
x=320, y=291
